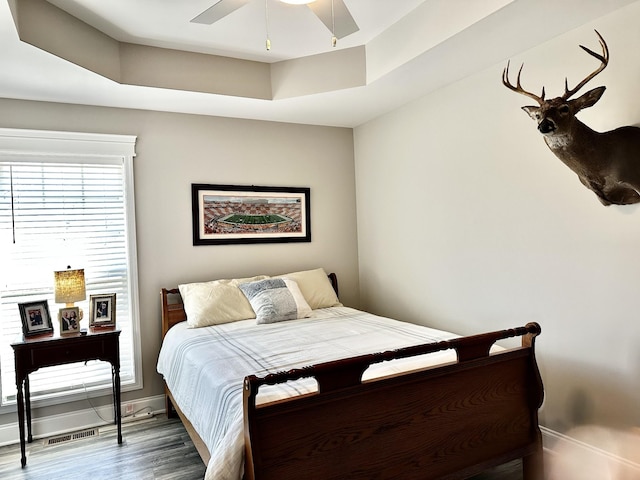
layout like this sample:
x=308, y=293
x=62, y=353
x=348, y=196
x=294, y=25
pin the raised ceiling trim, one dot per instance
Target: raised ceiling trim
x=320, y=73
x=49, y=28
x=197, y=72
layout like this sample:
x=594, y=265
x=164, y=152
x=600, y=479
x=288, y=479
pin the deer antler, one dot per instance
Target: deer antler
x=518, y=88
x=604, y=59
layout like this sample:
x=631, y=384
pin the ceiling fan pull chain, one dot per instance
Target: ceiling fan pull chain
x=266, y=21
x=334, y=40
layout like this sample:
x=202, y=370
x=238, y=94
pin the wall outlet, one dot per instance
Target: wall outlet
x=137, y=417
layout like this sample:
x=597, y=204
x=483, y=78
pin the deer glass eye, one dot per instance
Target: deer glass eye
x=564, y=109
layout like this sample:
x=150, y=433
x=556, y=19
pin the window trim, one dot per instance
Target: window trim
x=34, y=143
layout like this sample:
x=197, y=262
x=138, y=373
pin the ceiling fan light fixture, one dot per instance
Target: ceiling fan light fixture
x=297, y=2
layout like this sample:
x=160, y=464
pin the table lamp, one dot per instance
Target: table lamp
x=69, y=287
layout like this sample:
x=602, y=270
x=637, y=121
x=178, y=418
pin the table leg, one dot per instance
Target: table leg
x=113, y=393
x=116, y=386
x=27, y=400
x=20, y=401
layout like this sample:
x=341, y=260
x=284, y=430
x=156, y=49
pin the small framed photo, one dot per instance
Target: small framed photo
x=36, y=319
x=69, y=320
x=102, y=310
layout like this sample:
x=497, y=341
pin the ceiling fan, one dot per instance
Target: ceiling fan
x=333, y=13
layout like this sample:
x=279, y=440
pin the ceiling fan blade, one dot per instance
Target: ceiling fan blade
x=344, y=22
x=219, y=10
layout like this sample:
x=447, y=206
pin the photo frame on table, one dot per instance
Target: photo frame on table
x=102, y=310
x=36, y=319
x=69, y=318
x=240, y=214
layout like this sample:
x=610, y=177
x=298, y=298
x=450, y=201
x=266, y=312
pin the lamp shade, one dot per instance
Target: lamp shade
x=69, y=286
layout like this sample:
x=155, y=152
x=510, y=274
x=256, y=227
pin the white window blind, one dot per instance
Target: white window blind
x=59, y=210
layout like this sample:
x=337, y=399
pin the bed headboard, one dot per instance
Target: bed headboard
x=173, y=308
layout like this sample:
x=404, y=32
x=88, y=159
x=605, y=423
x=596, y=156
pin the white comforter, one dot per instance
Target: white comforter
x=204, y=368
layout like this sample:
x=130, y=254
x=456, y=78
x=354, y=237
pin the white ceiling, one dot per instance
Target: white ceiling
x=294, y=29
x=424, y=44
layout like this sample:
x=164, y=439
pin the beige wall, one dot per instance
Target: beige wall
x=466, y=221
x=176, y=150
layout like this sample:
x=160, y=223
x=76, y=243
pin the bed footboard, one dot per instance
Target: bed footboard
x=445, y=422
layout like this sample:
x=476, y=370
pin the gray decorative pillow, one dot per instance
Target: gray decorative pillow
x=276, y=300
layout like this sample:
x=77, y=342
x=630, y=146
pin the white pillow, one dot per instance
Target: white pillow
x=216, y=302
x=276, y=300
x=315, y=287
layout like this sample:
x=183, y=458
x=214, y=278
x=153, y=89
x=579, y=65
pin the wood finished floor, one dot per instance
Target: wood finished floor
x=155, y=449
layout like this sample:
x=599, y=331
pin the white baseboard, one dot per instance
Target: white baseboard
x=81, y=419
x=575, y=449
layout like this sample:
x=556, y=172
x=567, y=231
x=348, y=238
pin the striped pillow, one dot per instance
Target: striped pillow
x=276, y=300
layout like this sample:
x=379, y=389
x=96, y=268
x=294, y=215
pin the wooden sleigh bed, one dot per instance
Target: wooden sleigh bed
x=450, y=421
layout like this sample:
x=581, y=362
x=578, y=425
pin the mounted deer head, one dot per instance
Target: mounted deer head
x=607, y=163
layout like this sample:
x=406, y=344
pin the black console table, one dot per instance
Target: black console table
x=34, y=353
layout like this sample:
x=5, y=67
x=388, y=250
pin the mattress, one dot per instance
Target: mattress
x=204, y=367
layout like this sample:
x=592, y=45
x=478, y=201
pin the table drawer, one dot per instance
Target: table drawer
x=48, y=355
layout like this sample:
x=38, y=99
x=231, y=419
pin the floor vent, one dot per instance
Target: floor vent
x=71, y=437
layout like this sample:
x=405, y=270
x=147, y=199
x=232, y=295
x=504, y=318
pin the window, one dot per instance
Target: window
x=67, y=200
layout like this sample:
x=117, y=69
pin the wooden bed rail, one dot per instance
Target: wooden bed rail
x=449, y=421
x=348, y=372
x=172, y=312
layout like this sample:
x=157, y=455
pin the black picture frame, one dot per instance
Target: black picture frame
x=36, y=319
x=224, y=214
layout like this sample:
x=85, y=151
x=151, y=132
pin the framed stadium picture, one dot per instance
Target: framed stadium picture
x=228, y=214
